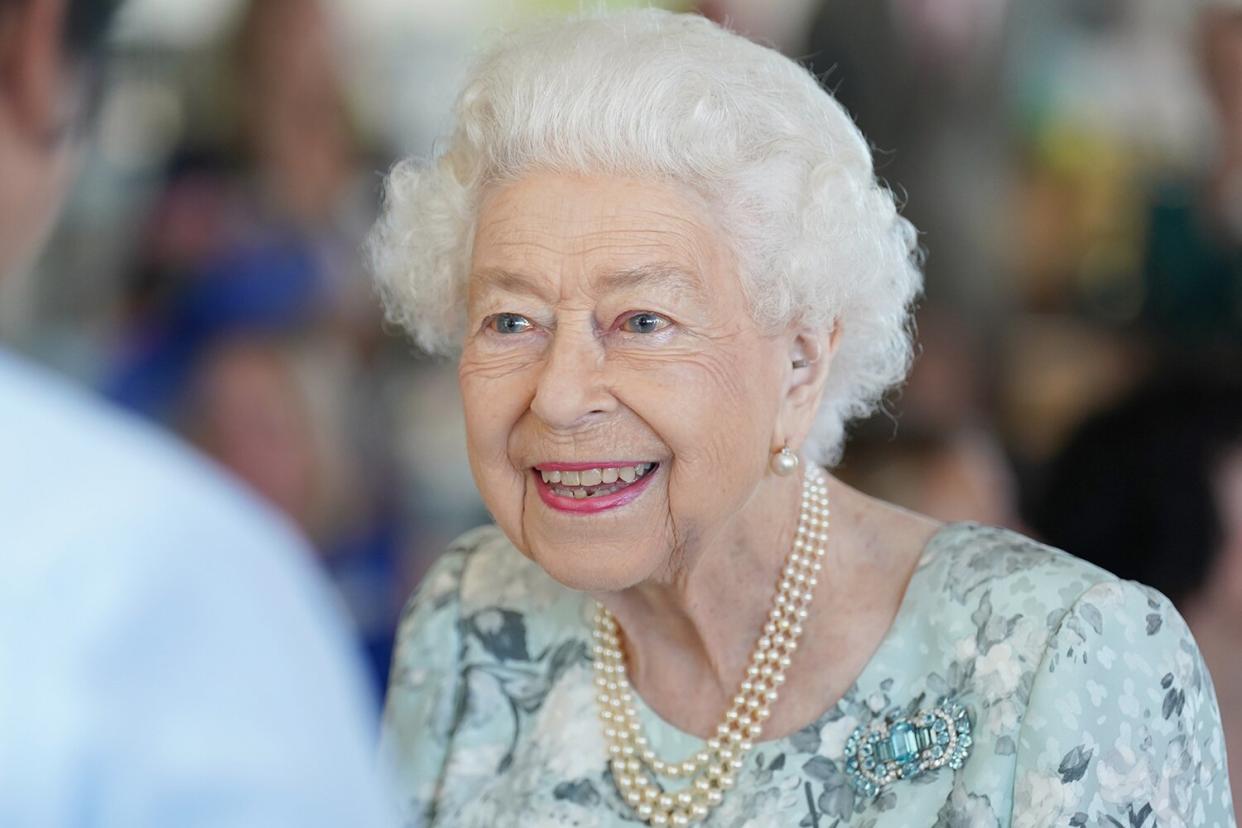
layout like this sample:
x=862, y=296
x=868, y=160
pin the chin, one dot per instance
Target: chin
x=607, y=551
x=603, y=569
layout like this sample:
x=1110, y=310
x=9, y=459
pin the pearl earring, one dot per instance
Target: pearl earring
x=784, y=462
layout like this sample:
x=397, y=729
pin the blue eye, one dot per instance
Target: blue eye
x=644, y=322
x=509, y=323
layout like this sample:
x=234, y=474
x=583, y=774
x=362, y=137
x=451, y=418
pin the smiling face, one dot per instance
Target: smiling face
x=621, y=403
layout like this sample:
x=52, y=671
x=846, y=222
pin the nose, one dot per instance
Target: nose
x=572, y=391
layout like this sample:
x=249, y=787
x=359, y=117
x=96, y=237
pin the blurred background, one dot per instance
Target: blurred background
x=1074, y=167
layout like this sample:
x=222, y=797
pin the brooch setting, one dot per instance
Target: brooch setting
x=903, y=747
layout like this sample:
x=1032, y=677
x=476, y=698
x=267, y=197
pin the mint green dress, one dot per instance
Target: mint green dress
x=1089, y=701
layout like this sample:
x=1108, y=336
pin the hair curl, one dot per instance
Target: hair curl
x=675, y=97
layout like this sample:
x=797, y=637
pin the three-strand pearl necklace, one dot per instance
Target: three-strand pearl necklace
x=712, y=770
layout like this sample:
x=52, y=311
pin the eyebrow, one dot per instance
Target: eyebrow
x=673, y=277
x=496, y=278
x=663, y=275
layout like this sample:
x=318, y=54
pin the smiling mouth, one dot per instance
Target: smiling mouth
x=598, y=482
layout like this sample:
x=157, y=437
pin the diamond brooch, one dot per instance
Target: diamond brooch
x=903, y=747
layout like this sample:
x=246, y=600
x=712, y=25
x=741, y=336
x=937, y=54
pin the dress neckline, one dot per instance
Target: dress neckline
x=667, y=737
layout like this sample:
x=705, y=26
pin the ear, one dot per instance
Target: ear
x=33, y=68
x=810, y=355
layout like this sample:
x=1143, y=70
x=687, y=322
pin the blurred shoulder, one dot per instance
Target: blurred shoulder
x=122, y=551
x=83, y=477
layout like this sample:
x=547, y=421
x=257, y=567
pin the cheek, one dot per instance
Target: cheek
x=494, y=397
x=711, y=398
x=715, y=411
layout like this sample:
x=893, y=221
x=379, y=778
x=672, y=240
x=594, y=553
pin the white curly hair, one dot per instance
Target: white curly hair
x=649, y=93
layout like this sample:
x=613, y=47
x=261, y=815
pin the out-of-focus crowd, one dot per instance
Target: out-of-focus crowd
x=1074, y=167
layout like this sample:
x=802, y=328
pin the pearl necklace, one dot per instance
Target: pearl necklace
x=712, y=770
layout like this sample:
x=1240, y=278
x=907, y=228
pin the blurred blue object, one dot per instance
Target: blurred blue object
x=270, y=284
x=168, y=654
x=364, y=566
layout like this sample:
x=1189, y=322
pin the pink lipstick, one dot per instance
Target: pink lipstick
x=589, y=487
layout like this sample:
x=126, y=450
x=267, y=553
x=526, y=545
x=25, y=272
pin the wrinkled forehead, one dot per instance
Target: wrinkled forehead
x=601, y=234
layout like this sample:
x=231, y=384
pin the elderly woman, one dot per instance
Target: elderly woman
x=671, y=279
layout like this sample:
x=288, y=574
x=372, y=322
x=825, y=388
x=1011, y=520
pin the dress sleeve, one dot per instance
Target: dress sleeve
x=422, y=705
x=1122, y=726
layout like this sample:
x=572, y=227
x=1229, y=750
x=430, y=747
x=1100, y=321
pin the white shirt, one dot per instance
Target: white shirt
x=168, y=655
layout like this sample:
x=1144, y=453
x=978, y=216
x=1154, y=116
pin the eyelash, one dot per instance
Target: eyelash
x=490, y=322
x=659, y=317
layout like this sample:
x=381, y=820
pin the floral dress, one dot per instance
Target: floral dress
x=1087, y=696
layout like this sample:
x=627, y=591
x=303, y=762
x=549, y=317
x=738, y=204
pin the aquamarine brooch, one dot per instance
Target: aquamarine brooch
x=903, y=747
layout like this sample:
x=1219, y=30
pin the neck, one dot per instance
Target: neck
x=696, y=624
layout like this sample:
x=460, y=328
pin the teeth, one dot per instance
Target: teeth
x=576, y=484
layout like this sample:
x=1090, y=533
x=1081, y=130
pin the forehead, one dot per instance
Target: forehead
x=600, y=228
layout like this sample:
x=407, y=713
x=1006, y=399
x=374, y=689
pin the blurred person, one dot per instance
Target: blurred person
x=1150, y=488
x=270, y=408
x=924, y=79
x=246, y=409
x=1221, y=38
x=260, y=228
x=247, y=310
x=948, y=475
x=941, y=458
x=1193, y=259
x=670, y=278
x=303, y=190
x=167, y=654
x=295, y=125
